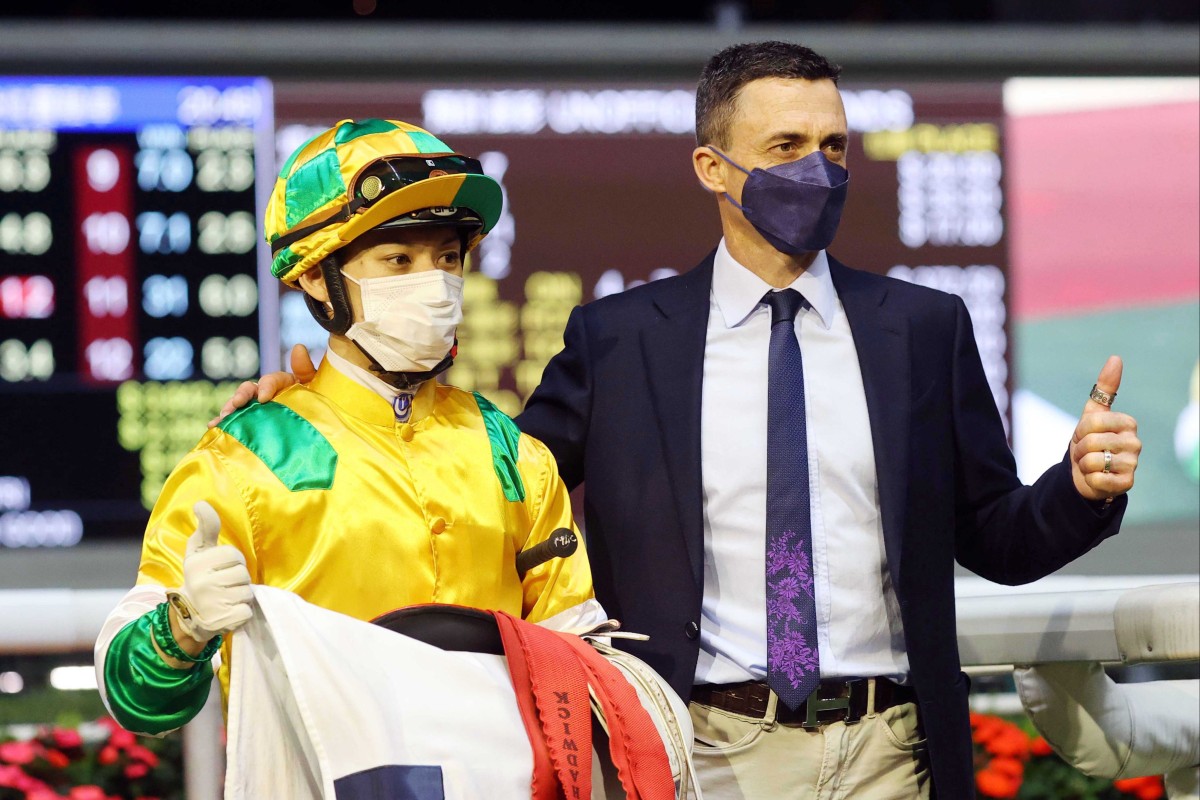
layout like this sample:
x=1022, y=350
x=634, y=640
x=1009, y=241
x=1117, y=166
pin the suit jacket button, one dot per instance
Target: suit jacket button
x=692, y=630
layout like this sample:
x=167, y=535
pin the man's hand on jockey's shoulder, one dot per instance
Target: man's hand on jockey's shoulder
x=270, y=384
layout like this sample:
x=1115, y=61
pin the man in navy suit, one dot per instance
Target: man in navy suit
x=666, y=403
x=659, y=404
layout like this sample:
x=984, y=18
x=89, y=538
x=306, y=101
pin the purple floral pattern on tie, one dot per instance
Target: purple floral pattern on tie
x=793, y=660
x=789, y=579
x=792, y=657
x=787, y=554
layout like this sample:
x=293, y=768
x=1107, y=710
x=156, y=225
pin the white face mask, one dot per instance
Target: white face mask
x=408, y=320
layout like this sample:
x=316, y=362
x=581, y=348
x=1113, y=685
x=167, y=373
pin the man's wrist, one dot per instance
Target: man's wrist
x=172, y=641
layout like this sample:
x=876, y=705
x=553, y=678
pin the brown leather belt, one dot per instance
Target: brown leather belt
x=833, y=701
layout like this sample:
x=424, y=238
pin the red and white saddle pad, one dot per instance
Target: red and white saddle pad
x=322, y=705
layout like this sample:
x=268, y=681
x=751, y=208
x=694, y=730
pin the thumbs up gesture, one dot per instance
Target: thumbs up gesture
x=215, y=596
x=1105, y=445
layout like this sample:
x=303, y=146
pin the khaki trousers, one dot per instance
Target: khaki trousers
x=881, y=757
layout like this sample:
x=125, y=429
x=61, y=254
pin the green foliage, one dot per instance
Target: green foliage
x=50, y=706
x=1050, y=777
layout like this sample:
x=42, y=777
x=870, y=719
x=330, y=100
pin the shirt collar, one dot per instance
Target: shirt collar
x=360, y=376
x=738, y=291
x=364, y=395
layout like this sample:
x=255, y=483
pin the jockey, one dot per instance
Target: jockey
x=373, y=487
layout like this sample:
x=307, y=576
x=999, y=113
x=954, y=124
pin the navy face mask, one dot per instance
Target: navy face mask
x=795, y=206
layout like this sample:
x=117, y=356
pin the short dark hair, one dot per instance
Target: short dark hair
x=729, y=70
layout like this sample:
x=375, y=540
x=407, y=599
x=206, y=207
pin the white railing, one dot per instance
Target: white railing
x=1055, y=643
x=53, y=620
x=1147, y=624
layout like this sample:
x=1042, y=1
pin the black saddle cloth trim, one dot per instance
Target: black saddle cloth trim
x=446, y=627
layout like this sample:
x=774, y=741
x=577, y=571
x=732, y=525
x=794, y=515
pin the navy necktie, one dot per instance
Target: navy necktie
x=793, y=666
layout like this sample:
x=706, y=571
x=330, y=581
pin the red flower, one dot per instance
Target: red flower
x=90, y=792
x=16, y=778
x=1009, y=767
x=136, y=770
x=56, y=758
x=110, y=723
x=984, y=728
x=19, y=752
x=1010, y=742
x=12, y=777
x=108, y=755
x=992, y=783
x=1147, y=788
x=66, y=738
x=139, y=753
x=43, y=794
x=122, y=738
x=1001, y=750
x=1040, y=747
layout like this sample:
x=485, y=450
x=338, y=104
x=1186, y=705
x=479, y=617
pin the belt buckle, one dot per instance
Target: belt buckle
x=816, y=705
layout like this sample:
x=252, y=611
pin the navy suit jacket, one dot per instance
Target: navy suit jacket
x=620, y=409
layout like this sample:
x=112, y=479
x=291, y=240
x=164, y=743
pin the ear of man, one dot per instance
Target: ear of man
x=709, y=169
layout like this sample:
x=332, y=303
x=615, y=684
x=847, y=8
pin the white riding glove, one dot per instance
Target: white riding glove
x=216, y=594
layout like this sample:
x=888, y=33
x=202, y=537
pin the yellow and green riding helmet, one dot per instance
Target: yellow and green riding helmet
x=367, y=174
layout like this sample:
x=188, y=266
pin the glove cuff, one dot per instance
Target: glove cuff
x=160, y=630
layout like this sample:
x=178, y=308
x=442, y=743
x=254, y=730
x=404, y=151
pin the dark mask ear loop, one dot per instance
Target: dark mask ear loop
x=334, y=317
x=728, y=196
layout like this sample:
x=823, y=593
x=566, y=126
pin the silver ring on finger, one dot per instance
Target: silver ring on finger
x=1108, y=460
x=1102, y=397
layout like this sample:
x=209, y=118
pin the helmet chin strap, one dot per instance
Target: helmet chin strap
x=334, y=316
x=407, y=381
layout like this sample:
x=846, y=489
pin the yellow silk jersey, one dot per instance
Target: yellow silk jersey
x=330, y=497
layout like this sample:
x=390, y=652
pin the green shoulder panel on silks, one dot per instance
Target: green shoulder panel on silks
x=288, y=444
x=504, y=436
x=147, y=695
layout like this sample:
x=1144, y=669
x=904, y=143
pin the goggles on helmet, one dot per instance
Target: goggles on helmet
x=386, y=175
x=382, y=177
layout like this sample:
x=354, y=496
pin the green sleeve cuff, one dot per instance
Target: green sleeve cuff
x=145, y=694
x=160, y=631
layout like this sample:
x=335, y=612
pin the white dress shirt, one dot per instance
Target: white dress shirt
x=859, y=632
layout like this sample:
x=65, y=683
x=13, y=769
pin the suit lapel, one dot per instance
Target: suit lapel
x=673, y=348
x=881, y=339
